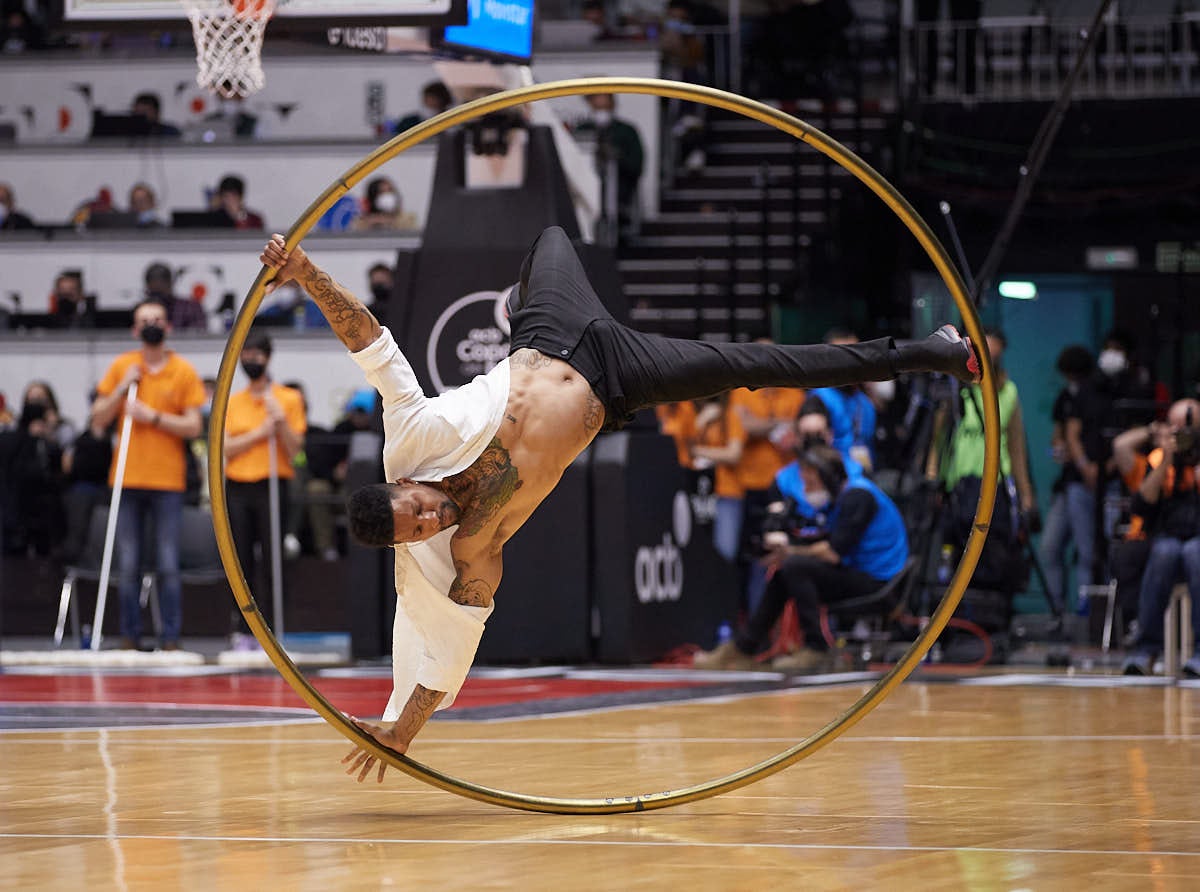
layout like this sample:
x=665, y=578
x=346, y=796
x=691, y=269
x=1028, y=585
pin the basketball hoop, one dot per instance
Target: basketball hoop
x=229, y=37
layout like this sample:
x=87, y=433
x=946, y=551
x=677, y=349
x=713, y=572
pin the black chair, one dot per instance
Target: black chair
x=874, y=609
x=87, y=566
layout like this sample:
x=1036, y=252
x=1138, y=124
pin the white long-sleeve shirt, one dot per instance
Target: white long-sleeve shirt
x=428, y=439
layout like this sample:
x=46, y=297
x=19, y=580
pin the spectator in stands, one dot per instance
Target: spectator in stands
x=866, y=546
x=183, y=314
x=618, y=150
x=31, y=484
x=230, y=199
x=11, y=218
x=435, y=99
x=165, y=415
x=382, y=208
x=7, y=420
x=149, y=106
x=19, y=30
x=381, y=280
x=262, y=417
x=328, y=455
x=851, y=412
x=1166, y=510
x=69, y=305
x=86, y=467
x=717, y=441
x=768, y=417
x=1072, y=506
x=57, y=428
x=143, y=202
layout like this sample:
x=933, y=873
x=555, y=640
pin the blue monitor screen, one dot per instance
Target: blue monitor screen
x=501, y=29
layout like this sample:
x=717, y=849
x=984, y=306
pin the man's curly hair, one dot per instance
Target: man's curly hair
x=369, y=511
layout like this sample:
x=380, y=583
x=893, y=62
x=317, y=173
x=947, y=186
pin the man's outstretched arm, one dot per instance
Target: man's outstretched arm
x=349, y=318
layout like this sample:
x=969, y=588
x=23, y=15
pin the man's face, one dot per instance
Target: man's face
x=66, y=290
x=141, y=200
x=146, y=110
x=420, y=511
x=149, y=314
x=813, y=427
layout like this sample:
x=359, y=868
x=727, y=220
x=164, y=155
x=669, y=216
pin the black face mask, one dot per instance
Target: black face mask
x=152, y=335
x=381, y=293
x=254, y=370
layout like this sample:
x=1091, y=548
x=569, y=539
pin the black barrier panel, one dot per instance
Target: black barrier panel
x=370, y=591
x=659, y=582
x=543, y=604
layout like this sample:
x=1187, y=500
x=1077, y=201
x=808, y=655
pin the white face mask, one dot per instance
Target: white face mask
x=386, y=202
x=818, y=498
x=1112, y=361
x=884, y=391
x=602, y=118
x=3, y=213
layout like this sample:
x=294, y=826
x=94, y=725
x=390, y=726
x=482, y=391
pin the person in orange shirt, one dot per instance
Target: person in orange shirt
x=262, y=416
x=718, y=440
x=165, y=414
x=768, y=416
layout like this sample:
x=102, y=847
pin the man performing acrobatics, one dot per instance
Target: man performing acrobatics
x=468, y=467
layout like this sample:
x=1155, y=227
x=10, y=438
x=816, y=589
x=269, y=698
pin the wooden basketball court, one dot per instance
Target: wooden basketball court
x=991, y=782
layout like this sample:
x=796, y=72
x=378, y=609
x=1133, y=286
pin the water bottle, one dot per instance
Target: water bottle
x=945, y=567
x=85, y=637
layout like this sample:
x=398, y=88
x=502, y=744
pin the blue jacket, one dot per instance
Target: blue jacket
x=883, y=548
x=851, y=418
x=791, y=485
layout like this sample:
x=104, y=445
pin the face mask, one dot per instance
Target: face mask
x=3, y=213
x=1111, y=362
x=602, y=118
x=152, y=335
x=147, y=217
x=254, y=370
x=386, y=202
x=818, y=498
x=381, y=293
x=884, y=390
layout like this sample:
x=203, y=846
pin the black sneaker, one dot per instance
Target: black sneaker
x=959, y=353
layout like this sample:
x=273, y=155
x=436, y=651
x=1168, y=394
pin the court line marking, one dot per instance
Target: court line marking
x=353, y=840
x=600, y=741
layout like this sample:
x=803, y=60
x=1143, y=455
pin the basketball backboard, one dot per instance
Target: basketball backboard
x=100, y=15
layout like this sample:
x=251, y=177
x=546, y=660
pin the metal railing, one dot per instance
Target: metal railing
x=1009, y=58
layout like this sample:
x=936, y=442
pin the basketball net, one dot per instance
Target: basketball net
x=229, y=37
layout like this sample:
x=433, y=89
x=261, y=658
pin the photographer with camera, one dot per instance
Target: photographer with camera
x=863, y=546
x=1166, y=513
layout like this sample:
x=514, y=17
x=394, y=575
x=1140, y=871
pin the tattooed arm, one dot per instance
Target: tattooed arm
x=350, y=320
x=477, y=580
x=398, y=734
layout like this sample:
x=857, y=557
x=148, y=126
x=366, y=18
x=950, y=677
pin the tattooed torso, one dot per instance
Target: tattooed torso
x=551, y=416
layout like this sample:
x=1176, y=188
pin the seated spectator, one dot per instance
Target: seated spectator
x=19, y=30
x=148, y=106
x=1166, y=511
x=59, y=429
x=69, y=305
x=381, y=279
x=812, y=429
x=10, y=217
x=143, y=202
x=31, y=480
x=181, y=313
x=230, y=199
x=866, y=545
x=98, y=205
x=435, y=99
x=382, y=208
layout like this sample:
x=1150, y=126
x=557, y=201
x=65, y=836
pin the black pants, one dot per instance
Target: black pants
x=809, y=582
x=560, y=315
x=250, y=522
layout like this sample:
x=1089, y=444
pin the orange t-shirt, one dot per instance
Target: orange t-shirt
x=155, y=459
x=246, y=412
x=720, y=433
x=761, y=460
x=678, y=421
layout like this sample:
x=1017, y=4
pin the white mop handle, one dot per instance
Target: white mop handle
x=276, y=558
x=110, y=530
